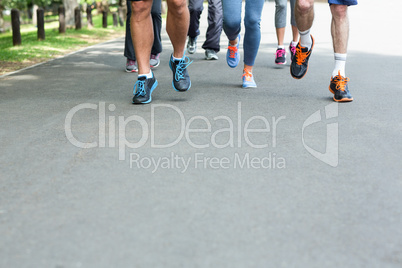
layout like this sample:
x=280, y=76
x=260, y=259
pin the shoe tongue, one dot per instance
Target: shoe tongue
x=142, y=78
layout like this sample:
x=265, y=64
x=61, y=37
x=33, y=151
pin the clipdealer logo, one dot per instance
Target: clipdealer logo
x=330, y=156
x=239, y=131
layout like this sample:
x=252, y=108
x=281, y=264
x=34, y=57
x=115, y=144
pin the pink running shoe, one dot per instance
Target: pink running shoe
x=280, y=56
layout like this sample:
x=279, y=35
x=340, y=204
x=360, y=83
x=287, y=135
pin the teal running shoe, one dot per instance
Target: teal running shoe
x=248, y=79
x=233, y=55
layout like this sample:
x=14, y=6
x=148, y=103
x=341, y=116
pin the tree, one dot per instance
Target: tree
x=69, y=6
x=1, y=16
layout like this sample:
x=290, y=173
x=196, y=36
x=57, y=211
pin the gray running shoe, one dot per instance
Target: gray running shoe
x=192, y=45
x=131, y=66
x=210, y=54
x=154, y=60
x=181, y=78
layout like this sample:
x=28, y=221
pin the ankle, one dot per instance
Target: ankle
x=248, y=69
x=234, y=42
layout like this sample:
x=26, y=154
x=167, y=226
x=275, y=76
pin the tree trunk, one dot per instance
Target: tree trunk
x=77, y=12
x=1, y=20
x=69, y=6
x=34, y=15
x=40, y=16
x=122, y=11
x=15, y=22
x=62, y=19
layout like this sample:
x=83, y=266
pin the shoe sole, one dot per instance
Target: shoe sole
x=249, y=86
x=154, y=66
x=212, y=58
x=133, y=71
x=341, y=100
x=281, y=63
x=295, y=77
x=150, y=94
x=234, y=66
x=181, y=90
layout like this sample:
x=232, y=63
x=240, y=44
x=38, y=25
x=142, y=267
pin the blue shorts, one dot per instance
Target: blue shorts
x=343, y=2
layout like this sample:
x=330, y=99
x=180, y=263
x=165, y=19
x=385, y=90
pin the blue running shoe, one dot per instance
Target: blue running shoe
x=233, y=55
x=181, y=79
x=248, y=79
x=143, y=89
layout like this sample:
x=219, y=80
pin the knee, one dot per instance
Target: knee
x=140, y=10
x=304, y=6
x=252, y=23
x=177, y=7
x=339, y=12
x=281, y=6
x=231, y=23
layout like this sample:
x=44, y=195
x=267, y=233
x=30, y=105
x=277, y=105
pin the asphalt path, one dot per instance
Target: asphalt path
x=219, y=176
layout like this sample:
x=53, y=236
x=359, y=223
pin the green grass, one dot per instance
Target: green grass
x=31, y=50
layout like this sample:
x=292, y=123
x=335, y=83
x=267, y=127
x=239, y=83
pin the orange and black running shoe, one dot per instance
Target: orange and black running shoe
x=299, y=65
x=339, y=87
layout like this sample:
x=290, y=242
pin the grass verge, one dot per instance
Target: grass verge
x=32, y=51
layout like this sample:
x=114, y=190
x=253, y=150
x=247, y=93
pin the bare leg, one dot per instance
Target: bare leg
x=248, y=68
x=234, y=42
x=295, y=34
x=340, y=36
x=304, y=14
x=280, y=35
x=177, y=23
x=142, y=33
x=340, y=28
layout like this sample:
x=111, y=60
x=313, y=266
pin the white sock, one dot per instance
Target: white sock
x=174, y=58
x=281, y=47
x=148, y=75
x=305, y=39
x=340, y=62
x=294, y=43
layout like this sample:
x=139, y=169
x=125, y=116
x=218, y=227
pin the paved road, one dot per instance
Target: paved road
x=277, y=176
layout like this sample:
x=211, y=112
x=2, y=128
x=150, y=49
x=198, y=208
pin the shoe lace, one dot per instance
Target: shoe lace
x=232, y=51
x=293, y=49
x=340, y=81
x=139, y=88
x=300, y=55
x=181, y=66
x=279, y=53
x=248, y=75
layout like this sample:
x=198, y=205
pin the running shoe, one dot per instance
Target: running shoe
x=248, y=79
x=299, y=65
x=154, y=60
x=280, y=56
x=210, y=54
x=192, y=45
x=339, y=87
x=233, y=55
x=143, y=89
x=131, y=66
x=292, y=50
x=181, y=79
